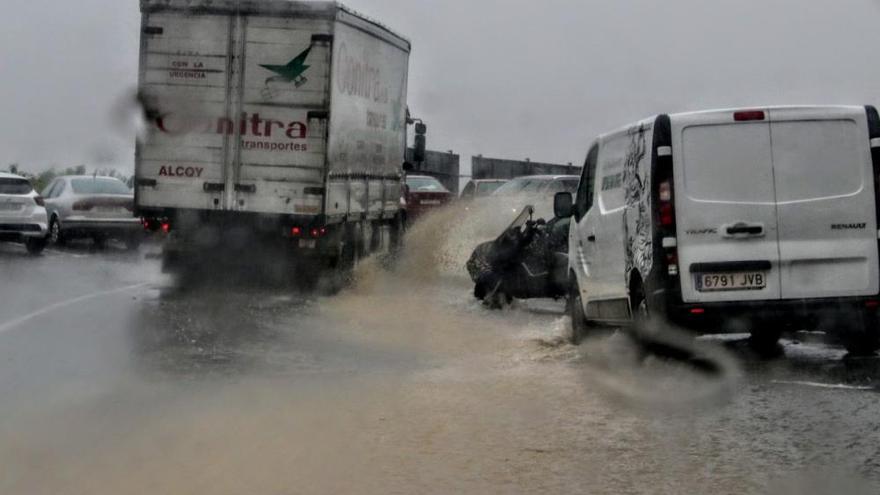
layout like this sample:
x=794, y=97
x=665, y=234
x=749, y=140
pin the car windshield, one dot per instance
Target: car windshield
x=522, y=185
x=14, y=186
x=425, y=184
x=99, y=186
x=487, y=188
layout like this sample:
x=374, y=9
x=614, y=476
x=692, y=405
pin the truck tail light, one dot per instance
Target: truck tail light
x=39, y=201
x=318, y=232
x=296, y=231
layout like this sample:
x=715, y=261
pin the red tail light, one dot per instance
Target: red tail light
x=296, y=231
x=747, y=115
x=166, y=227
x=39, y=201
x=318, y=232
x=667, y=215
x=698, y=311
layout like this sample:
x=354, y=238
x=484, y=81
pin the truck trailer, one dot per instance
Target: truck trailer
x=271, y=123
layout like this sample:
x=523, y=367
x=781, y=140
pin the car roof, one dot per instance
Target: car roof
x=7, y=175
x=88, y=177
x=489, y=180
x=547, y=177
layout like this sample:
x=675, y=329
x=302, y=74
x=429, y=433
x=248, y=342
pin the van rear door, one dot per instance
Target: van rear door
x=725, y=207
x=825, y=202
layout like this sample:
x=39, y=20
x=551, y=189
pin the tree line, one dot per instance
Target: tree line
x=42, y=179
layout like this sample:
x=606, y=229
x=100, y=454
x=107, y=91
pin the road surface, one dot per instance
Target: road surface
x=114, y=380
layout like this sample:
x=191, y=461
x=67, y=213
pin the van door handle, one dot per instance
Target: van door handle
x=591, y=238
x=740, y=229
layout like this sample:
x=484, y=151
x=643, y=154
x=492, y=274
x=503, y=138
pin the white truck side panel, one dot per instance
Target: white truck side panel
x=367, y=121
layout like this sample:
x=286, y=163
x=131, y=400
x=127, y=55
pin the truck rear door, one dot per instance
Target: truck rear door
x=725, y=207
x=184, y=80
x=825, y=202
x=284, y=107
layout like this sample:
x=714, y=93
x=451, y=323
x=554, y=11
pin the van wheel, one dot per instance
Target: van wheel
x=641, y=313
x=863, y=339
x=765, y=342
x=579, y=326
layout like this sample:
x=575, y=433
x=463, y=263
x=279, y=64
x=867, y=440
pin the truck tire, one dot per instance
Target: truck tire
x=133, y=241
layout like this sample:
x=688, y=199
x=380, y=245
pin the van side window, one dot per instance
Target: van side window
x=584, y=199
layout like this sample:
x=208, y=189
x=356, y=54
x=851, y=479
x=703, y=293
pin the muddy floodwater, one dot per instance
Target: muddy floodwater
x=113, y=379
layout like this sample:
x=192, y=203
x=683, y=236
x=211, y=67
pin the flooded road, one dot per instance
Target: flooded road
x=115, y=380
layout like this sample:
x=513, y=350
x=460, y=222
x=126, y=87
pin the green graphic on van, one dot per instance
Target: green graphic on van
x=292, y=72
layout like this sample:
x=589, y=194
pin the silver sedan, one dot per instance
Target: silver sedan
x=22, y=215
x=91, y=206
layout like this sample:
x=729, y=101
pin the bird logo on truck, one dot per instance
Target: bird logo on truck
x=291, y=73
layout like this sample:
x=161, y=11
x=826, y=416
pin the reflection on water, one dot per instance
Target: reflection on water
x=403, y=383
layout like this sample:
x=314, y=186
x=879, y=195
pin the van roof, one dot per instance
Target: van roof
x=811, y=109
x=7, y=175
x=708, y=114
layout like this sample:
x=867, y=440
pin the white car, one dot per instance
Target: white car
x=22, y=213
x=758, y=219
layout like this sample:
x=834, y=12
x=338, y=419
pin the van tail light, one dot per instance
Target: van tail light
x=667, y=215
x=666, y=207
x=665, y=191
x=39, y=201
x=749, y=115
x=664, y=195
x=874, y=135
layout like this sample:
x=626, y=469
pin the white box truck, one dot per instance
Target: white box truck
x=272, y=121
x=755, y=219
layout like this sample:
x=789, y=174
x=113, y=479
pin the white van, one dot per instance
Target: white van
x=760, y=220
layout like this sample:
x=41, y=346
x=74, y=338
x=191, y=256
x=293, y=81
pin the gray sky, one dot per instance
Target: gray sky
x=511, y=78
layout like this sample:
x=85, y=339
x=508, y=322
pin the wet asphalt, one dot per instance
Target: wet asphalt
x=115, y=378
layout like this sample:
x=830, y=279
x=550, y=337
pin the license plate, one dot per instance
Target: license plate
x=308, y=243
x=430, y=202
x=709, y=282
